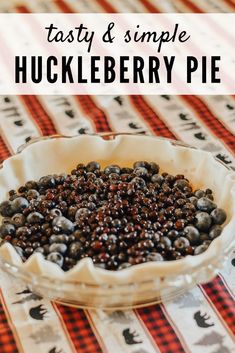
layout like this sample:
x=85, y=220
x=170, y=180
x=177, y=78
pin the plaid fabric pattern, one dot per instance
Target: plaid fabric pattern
x=160, y=329
x=39, y=115
x=4, y=152
x=222, y=301
x=79, y=330
x=94, y=113
x=205, y=115
x=7, y=341
x=152, y=119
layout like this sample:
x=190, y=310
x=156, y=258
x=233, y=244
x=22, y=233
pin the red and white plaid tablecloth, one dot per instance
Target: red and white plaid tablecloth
x=200, y=321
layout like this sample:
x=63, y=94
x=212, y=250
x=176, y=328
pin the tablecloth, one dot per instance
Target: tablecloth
x=200, y=321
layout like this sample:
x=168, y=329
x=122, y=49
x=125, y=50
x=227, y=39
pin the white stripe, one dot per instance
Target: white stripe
x=187, y=127
x=66, y=115
x=121, y=114
x=229, y=274
x=35, y=335
x=223, y=107
x=191, y=311
x=12, y=115
x=113, y=328
x=123, y=6
x=41, y=6
x=212, y=5
x=85, y=6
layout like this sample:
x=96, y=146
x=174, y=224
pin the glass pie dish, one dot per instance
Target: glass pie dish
x=87, y=286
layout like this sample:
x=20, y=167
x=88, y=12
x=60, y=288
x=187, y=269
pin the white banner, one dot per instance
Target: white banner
x=147, y=54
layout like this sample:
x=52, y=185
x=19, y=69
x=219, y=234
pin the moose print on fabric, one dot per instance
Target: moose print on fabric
x=119, y=100
x=233, y=262
x=55, y=350
x=28, y=296
x=224, y=158
x=130, y=337
x=38, y=312
x=214, y=338
x=45, y=334
x=201, y=320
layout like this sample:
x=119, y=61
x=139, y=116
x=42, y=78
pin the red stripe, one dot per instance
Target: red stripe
x=63, y=6
x=39, y=115
x=160, y=329
x=192, y=6
x=150, y=116
x=4, y=152
x=231, y=3
x=94, y=113
x=207, y=117
x=106, y=6
x=79, y=330
x=22, y=9
x=222, y=300
x=150, y=7
x=7, y=341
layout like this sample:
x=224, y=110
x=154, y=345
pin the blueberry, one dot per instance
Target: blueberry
x=55, y=212
x=124, y=265
x=18, y=220
x=138, y=182
x=203, y=221
x=91, y=206
x=154, y=167
x=204, y=237
x=192, y=234
x=81, y=212
x=63, y=224
x=23, y=232
x=112, y=169
x=141, y=164
x=181, y=184
x=193, y=200
x=200, y=249
x=35, y=217
x=172, y=234
x=33, y=194
x=205, y=204
x=58, y=238
x=92, y=166
x=6, y=209
x=154, y=256
x=47, y=181
x=181, y=243
x=199, y=193
x=58, y=247
x=19, y=204
x=75, y=249
x=218, y=216
x=112, y=238
x=31, y=185
x=126, y=170
x=40, y=250
x=165, y=243
x=56, y=257
x=157, y=178
x=215, y=231
x=7, y=229
x=140, y=172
